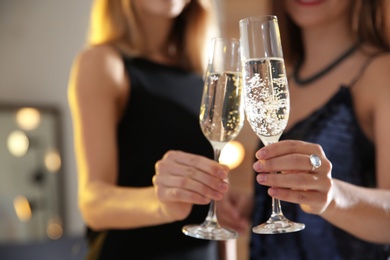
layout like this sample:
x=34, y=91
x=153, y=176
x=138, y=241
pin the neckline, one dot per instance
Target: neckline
x=343, y=94
x=302, y=82
x=157, y=64
x=342, y=89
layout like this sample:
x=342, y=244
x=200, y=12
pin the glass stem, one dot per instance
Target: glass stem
x=212, y=213
x=276, y=207
x=211, y=218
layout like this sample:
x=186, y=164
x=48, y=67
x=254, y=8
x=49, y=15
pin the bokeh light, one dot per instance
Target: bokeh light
x=52, y=161
x=22, y=208
x=54, y=228
x=18, y=143
x=28, y=118
x=232, y=154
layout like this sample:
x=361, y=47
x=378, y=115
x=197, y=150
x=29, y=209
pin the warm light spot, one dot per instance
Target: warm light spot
x=18, y=143
x=52, y=161
x=22, y=208
x=232, y=154
x=28, y=118
x=305, y=208
x=54, y=228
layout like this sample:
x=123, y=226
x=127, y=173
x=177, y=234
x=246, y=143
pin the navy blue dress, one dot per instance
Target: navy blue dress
x=162, y=114
x=336, y=128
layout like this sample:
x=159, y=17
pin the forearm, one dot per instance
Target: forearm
x=363, y=212
x=107, y=206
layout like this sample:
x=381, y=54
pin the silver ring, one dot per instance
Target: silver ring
x=315, y=162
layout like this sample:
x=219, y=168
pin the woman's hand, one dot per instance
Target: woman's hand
x=235, y=209
x=184, y=179
x=299, y=182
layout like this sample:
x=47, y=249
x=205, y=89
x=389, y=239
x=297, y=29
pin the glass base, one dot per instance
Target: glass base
x=209, y=231
x=278, y=225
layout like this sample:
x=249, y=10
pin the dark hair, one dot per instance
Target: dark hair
x=367, y=21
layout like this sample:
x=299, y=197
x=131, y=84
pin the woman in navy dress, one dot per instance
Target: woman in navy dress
x=337, y=58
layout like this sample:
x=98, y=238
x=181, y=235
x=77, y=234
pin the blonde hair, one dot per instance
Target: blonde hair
x=114, y=22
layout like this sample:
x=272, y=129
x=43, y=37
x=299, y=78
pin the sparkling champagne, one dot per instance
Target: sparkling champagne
x=221, y=118
x=266, y=97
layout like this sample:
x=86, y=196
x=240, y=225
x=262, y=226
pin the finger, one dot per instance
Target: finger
x=202, y=163
x=310, y=201
x=291, y=162
x=191, y=186
x=296, y=181
x=289, y=147
x=180, y=195
x=187, y=177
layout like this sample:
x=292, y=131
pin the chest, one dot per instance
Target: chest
x=304, y=101
x=307, y=100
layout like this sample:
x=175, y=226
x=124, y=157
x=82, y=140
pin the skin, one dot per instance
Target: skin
x=98, y=92
x=342, y=204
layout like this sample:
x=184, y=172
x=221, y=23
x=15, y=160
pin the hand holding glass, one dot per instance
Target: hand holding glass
x=221, y=119
x=266, y=95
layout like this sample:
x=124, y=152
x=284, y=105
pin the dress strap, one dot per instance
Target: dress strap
x=364, y=66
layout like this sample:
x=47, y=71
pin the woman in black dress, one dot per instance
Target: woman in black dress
x=143, y=161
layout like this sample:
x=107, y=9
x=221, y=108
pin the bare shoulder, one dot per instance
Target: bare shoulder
x=98, y=69
x=377, y=72
x=100, y=54
x=375, y=79
x=373, y=94
x=103, y=60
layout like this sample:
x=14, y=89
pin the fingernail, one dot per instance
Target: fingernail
x=261, y=178
x=261, y=154
x=223, y=174
x=257, y=166
x=272, y=192
x=223, y=186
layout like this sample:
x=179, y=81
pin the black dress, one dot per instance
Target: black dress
x=162, y=114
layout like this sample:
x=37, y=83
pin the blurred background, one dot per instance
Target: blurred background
x=38, y=180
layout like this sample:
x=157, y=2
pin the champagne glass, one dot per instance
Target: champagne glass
x=266, y=97
x=221, y=119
